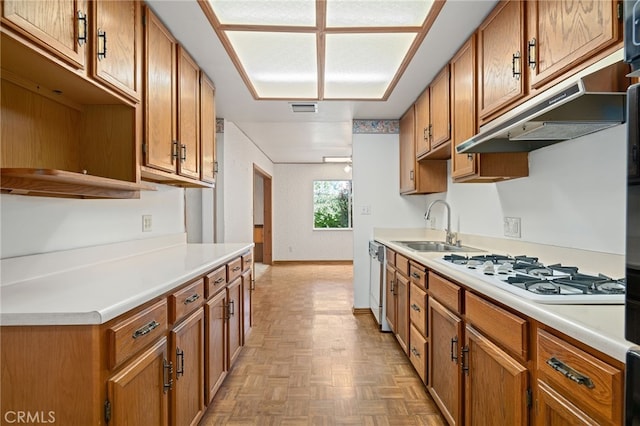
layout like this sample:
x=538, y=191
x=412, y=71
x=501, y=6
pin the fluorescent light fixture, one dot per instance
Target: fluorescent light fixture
x=321, y=49
x=336, y=159
x=304, y=107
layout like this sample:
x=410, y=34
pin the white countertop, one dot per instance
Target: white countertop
x=599, y=326
x=85, y=292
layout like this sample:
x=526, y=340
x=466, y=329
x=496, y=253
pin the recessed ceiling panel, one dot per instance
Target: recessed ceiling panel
x=361, y=66
x=377, y=13
x=265, y=12
x=279, y=65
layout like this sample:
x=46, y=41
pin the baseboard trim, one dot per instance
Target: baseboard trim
x=313, y=262
x=361, y=311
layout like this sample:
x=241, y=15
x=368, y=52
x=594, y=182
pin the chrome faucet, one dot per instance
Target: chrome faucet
x=449, y=238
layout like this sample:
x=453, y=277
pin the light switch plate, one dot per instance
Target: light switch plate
x=512, y=227
x=147, y=223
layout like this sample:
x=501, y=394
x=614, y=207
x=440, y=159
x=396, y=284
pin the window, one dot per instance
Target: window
x=332, y=204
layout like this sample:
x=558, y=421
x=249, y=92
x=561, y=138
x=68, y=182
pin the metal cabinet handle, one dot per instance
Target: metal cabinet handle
x=415, y=307
x=393, y=290
x=183, y=153
x=454, y=354
x=415, y=352
x=415, y=275
x=82, y=28
x=219, y=280
x=465, y=360
x=167, y=373
x=174, y=150
x=411, y=175
x=570, y=373
x=146, y=329
x=102, y=44
x=531, y=53
x=515, y=65
x=191, y=299
x=425, y=133
x=180, y=368
x=430, y=131
x=237, y=268
x=232, y=307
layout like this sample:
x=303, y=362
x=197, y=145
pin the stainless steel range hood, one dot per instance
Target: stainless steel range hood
x=589, y=103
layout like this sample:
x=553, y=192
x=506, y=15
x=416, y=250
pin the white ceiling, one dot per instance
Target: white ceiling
x=287, y=137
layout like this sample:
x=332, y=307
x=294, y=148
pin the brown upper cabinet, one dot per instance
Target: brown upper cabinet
x=418, y=177
x=526, y=47
x=117, y=45
x=433, y=119
x=172, y=96
x=208, y=129
x=486, y=167
x=563, y=34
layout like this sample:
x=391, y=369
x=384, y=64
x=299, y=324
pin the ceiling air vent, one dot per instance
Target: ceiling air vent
x=304, y=107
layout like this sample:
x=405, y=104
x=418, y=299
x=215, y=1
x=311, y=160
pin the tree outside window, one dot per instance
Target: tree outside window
x=332, y=204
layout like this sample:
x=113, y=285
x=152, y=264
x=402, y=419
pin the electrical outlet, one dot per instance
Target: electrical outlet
x=147, y=223
x=512, y=227
x=365, y=210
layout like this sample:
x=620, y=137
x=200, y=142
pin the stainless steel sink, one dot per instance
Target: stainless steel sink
x=434, y=246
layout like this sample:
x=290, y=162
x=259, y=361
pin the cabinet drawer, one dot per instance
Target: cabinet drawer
x=417, y=308
x=446, y=292
x=131, y=334
x=247, y=261
x=234, y=269
x=215, y=281
x=418, y=274
x=390, y=256
x=418, y=352
x=593, y=385
x=503, y=327
x=402, y=264
x=186, y=300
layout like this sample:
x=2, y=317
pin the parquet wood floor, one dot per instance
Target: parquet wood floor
x=310, y=361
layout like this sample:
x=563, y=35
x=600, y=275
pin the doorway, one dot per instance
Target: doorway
x=262, y=216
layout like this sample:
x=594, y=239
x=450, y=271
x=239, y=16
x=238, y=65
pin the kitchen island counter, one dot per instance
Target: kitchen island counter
x=97, y=284
x=599, y=326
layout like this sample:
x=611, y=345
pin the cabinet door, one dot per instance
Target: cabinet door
x=55, y=25
x=137, y=394
x=445, y=378
x=390, y=290
x=554, y=410
x=117, y=45
x=247, y=314
x=234, y=314
x=440, y=131
x=207, y=129
x=215, y=343
x=500, y=53
x=422, y=120
x=187, y=402
x=188, y=115
x=407, y=152
x=562, y=34
x=495, y=384
x=160, y=110
x=463, y=94
x=402, y=311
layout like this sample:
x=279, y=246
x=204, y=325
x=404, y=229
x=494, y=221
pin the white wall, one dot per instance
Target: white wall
x=293, y=235
x=33, y=225
x=376, y=183
x=574, y=197
x=238, y=154
x=258, y=200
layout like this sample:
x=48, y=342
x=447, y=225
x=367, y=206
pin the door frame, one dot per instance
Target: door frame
x=267, y=253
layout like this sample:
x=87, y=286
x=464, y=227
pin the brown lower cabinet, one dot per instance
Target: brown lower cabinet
x=158, y=364
x=485, y=364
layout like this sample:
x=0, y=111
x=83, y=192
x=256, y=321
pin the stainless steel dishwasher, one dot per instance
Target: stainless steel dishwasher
x=377, y=295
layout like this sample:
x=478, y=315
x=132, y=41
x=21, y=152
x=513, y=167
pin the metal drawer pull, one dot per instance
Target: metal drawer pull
x=415, y=275
x=180, y=367
x=219, y=280
x=415, y=307
x=415, y=352
x=145, y=329
x=167, y=371
x=191, y=299
x=454, y=355
x=237, y=268
x=570, y=373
